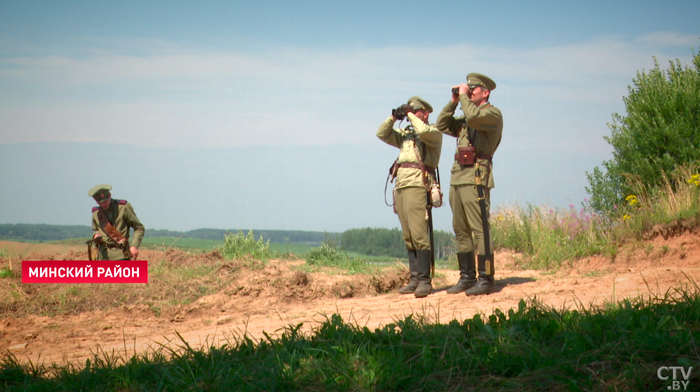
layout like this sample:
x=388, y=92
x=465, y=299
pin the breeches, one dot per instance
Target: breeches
x=410, y=205
x=467, y=219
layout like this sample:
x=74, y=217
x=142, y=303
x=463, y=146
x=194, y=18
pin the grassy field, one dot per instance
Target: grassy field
x=617, y=347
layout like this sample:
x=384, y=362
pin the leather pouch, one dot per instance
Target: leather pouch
x=466, y=156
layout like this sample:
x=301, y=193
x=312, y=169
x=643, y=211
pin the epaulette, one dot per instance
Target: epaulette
x=95, y=209
x=121, y=202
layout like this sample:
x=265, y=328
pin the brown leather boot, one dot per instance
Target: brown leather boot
x=467, y=273
x=413, y=283
x=423, y=270
x=485, y=284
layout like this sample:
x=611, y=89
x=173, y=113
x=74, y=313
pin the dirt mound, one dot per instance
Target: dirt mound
x=263, y=299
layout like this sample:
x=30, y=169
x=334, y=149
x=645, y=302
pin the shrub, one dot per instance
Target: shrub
x=240, y=246
x=660, y=132
x=328, y=255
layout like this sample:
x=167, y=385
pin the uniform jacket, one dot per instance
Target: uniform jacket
x=122, y=216
x=428, y=140
x=486, y=124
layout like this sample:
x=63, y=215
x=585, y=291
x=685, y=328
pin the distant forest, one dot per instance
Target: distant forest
x=369, y=241
x=389, y=242
x=42, y=232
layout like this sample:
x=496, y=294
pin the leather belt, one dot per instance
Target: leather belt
x=416, y=165
x=478, y=156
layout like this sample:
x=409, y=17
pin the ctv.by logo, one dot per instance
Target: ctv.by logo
x=676, y=384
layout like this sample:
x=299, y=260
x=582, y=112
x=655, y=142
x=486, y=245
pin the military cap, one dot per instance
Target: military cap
x=100, y=192
x=477, y=79
x=419, y=103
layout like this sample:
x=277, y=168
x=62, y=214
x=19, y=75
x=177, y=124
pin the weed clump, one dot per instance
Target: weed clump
x=240, y=246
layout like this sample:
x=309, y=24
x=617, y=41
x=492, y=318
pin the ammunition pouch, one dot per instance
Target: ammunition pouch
x=466, y=156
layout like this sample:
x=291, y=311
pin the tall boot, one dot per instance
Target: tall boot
x=413, y=283
x=486, y=270
x=423, y=270
x=467, y=273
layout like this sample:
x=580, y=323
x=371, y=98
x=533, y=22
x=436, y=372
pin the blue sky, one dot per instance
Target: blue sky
x=263, y=115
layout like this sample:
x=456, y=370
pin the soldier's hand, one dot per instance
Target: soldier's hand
x=463, y=88
x=97, y=237
x=134, y=252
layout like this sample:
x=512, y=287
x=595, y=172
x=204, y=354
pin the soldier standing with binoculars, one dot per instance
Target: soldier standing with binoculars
x=420, y=144
x=478, y=134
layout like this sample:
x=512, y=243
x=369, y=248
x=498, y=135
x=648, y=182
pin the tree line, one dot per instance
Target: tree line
x=389, y=242
x=43, y=232
x=369, y=241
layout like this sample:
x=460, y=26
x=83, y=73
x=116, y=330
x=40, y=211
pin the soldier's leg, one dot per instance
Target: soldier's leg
x=465, y=244
x=485, y=262
x=403, y=209
x=460, y=223
x=418, y=225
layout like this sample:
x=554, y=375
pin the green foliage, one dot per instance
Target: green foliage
x=240, y=246
x=42, y=232
x=328, y=255
x=616, y=347
x=389, y=242
x=550, y=236
x=660, y=133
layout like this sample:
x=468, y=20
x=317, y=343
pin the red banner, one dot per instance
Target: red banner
x=83, y=271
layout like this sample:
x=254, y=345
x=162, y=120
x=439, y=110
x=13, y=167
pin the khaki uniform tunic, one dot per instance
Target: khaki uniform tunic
x=485, y=123
x=122, y=216
x=411, y=199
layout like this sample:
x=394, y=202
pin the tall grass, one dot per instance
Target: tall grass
x=550, y=236
x=619, y=346
x=240, y=246
x=329, y=255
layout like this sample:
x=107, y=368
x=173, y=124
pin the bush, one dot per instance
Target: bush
x=660, y=132
x=239, y=246
x=328, y=255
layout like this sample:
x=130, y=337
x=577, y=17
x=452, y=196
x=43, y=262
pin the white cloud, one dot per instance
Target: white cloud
x=670, y=38
x=176, y=98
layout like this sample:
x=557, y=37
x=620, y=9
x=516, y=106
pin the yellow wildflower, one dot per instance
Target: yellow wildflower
x=694, y=180
x=631, y=200
x=625, y=217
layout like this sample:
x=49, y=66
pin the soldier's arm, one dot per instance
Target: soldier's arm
x=135, y=223
x=446, y=122
x=483, y=118
x=95, y=226
x=387, y=133
x=428, y=134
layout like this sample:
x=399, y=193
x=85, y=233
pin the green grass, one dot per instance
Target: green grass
x=549, y=237
x=164, y=243
x=619, y=346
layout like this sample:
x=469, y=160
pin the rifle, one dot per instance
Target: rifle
x=432, y=242
x=124, y=246
x=489, y=264
x=89, y=246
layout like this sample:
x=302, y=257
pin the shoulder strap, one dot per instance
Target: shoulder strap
x=107, y=226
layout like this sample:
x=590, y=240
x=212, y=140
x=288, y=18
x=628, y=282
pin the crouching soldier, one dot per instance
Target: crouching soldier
x=112, y=220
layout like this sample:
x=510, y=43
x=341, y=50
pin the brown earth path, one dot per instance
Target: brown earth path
x=652, y=268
